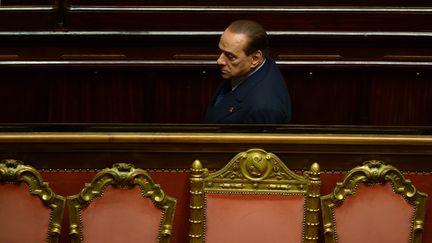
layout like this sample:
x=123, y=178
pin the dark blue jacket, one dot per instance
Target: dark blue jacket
x=262, y=98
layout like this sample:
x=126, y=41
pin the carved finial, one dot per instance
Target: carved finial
x=315, y=168
x=314, y=172
x=196, y=165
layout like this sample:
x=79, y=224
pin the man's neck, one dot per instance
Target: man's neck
x=237, y=81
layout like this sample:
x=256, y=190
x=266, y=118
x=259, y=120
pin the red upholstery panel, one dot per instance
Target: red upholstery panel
x=121, y=215
x=176, y=184
x=374, y=214
x=23, y=216
x=233, y=218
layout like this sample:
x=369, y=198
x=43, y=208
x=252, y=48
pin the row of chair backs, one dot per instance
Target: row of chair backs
x=254, y=198
x=121, y=204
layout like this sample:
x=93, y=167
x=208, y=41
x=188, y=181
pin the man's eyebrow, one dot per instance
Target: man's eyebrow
x=229, y=53
x=226, y=52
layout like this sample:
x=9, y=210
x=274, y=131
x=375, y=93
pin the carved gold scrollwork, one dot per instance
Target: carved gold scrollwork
x=374, y=172
x=15, y=171
x=122, y=175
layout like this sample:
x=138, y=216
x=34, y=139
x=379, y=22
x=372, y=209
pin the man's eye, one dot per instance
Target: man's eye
x=231, y=57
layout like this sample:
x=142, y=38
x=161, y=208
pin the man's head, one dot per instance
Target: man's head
x=244, y=46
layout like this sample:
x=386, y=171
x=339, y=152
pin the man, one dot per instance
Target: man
x=254, y=90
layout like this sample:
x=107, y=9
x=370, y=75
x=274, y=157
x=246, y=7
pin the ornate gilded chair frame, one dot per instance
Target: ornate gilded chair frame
x=123, y=175
x=257, y=172
x=14, y=171
x=373, y=172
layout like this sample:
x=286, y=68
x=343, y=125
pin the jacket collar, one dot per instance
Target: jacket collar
x=255, y=77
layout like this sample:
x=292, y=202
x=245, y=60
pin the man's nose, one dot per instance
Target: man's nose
x=221, y=60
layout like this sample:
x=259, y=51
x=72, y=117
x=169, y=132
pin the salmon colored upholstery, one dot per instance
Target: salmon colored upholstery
x=29, y=210
x=374, y=204
x=374, y=214
x=121, y=204
x=23, y=216
x=234, y=218
x=121, y=215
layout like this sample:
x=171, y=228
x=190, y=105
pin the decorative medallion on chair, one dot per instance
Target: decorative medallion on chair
x=254, y=198
x=374, y=204
x=29, y=210
x=121, y=204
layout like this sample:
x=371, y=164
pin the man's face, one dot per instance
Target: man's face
x=233, y=61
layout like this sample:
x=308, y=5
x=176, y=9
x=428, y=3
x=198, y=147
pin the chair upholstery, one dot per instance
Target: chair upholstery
x=121, y=204
x=374, y=204
x=29, y=210
x=254, y=198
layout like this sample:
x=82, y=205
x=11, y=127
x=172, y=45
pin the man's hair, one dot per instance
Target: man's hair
x=256, y=34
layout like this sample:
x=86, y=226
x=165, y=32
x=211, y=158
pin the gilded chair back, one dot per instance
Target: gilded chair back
x=374, y=204
x=121, y=204
x=29, y=210
x=254, y=198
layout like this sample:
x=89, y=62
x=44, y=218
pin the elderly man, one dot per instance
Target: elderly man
x=254, y=90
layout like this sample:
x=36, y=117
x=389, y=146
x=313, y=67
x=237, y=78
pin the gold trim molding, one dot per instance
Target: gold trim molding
x=221, y=138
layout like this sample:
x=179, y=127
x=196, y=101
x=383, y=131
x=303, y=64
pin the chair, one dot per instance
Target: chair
x=254, y=198
x=374, y=204
x=29, y=210
x=121, y=204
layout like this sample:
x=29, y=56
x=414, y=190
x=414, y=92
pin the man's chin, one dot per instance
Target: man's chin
x=225, y=76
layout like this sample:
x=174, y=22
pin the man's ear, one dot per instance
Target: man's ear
x=257, y=59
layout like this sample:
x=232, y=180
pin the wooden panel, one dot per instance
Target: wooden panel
x=24, y=97
x=151, y=45
x=344, y=78
x=98, y=96
x=153, y=95
x=323, y=97
x=172, y=146
x=30, y=15
x=148, y=93
x=404, y=101
x=229, y=3
x=217, y=18
x=328, y=15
